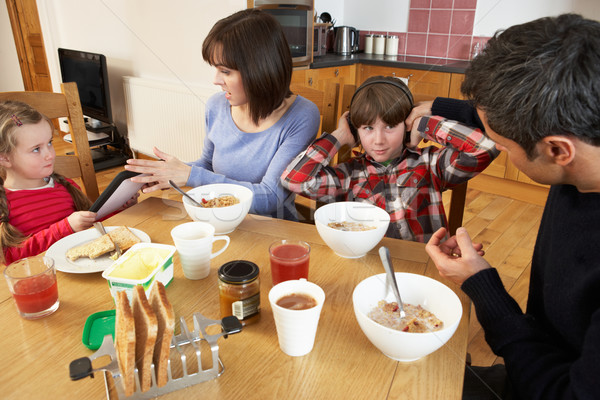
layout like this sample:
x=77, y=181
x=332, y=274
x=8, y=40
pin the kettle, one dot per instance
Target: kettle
x=346, y=40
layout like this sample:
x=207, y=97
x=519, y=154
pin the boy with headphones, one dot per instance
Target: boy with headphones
x=392, y=172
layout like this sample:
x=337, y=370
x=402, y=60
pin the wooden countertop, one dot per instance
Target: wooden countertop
x=343, y=363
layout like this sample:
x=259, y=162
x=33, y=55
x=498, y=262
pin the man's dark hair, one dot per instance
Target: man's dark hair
x=538, y=79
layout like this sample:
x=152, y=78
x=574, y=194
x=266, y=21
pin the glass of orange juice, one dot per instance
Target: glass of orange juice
x=32, y=282
x=289, y=260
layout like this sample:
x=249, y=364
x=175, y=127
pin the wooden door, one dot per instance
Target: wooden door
x=29, y=41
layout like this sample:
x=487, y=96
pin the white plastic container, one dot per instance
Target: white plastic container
x=163, y=271
x=369, y=44
x=379, y=44
x=391, y=45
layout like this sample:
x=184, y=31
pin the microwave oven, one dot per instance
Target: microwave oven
x=296, y=19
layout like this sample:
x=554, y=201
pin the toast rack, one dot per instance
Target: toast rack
x=82, y=367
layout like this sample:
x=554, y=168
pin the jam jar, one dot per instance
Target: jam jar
x=239, y=291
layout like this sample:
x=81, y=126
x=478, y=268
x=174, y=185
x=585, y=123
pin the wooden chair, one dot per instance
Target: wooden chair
x=65, y=105
x=457, y=207
x=326, y=101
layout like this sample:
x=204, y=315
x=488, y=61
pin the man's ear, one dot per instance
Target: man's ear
x=561, y=149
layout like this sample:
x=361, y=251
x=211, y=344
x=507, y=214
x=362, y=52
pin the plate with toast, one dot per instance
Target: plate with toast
x=88, y=251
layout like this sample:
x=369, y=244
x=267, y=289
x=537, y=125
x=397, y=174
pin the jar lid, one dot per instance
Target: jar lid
x=369, y=35
x=379, y=36
x=392, y=36
x=238, y=271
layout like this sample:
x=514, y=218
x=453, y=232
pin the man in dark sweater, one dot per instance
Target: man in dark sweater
x=536, y=89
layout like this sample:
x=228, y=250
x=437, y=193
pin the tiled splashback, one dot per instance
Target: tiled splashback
x=437, y=28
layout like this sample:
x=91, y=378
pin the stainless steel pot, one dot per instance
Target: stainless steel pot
x=346, y=40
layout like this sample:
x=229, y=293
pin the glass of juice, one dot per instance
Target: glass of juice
x=289, y=260
x=32, y=282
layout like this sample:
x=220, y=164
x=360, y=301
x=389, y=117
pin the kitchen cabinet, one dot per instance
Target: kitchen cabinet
x=424, y=85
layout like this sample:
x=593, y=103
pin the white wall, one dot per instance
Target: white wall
x=490, y=15
x=10, y=78
x=143, y=38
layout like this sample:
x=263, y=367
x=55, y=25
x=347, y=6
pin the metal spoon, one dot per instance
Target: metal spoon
x=384, y=253
x=174, y=186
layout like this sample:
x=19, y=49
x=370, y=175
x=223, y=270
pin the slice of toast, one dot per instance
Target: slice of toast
x=123, y=237
x=125, y=342
x=93, y=249
x=166, y=327
x=146, y=328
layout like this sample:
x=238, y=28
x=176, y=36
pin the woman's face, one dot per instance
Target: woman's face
x=230, y=81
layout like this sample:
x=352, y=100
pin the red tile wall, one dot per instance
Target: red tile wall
x=437, y=28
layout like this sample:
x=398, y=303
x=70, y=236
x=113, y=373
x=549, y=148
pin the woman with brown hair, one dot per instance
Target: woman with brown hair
x=255, y=127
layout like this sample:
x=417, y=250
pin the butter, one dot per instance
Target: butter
x=140, y=263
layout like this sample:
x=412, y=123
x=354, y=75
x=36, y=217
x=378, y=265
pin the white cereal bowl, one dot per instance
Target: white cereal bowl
x=224, y=219
x=351, y=244
x=414, y=289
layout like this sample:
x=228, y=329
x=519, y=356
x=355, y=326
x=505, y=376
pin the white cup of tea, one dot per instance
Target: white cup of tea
x=296, y=306
x=194, y=243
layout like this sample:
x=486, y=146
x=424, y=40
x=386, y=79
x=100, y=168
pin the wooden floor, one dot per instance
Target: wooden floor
x=506, y=227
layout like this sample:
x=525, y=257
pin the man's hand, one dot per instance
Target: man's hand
x=458, y=258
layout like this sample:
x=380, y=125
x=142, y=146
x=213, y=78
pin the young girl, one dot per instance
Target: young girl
x=392, y=173
x=37, y=206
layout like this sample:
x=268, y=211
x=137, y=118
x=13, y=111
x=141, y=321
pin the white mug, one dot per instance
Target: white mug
x=194, y=242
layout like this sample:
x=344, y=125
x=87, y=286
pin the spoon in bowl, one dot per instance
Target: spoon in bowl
x=384, y=253
x=190, y=198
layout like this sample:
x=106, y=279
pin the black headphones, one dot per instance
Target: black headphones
x=399, y=84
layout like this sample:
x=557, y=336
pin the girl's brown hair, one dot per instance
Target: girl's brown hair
x=14, y=114
x=252, y=42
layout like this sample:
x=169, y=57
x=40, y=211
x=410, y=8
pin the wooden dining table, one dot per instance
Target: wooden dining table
x=342, y=365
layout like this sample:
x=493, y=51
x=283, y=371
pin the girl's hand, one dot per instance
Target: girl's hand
x=81, y=220
x=159, y=172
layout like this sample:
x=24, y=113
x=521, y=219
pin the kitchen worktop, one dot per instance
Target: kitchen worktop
x=400, y=61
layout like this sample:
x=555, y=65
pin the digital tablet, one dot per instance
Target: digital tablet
x=118, y=192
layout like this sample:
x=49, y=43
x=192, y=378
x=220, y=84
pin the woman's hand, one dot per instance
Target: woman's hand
x=81, y=220
x=159, y=172
x=458, y=258
x=342, y=133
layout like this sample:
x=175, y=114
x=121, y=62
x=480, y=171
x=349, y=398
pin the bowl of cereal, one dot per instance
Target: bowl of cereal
x=224, y=205
x=433, y=312
x=351, y=229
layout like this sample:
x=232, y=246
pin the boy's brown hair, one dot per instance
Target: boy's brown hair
x=375, y=98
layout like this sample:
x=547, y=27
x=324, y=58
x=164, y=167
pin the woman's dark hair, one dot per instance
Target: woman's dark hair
x=376, y=98
x=539, y=79
x=252, y=42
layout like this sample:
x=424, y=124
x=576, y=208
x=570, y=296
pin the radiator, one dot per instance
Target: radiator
x=166, y=115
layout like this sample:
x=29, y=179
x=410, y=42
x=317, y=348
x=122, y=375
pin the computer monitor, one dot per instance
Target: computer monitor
x=89, y=71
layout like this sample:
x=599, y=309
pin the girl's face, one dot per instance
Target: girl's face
x=381, y=141
x=230, y=81
x=32, y=160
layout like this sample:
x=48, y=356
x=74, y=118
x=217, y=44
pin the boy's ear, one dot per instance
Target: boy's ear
x=560, y=149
